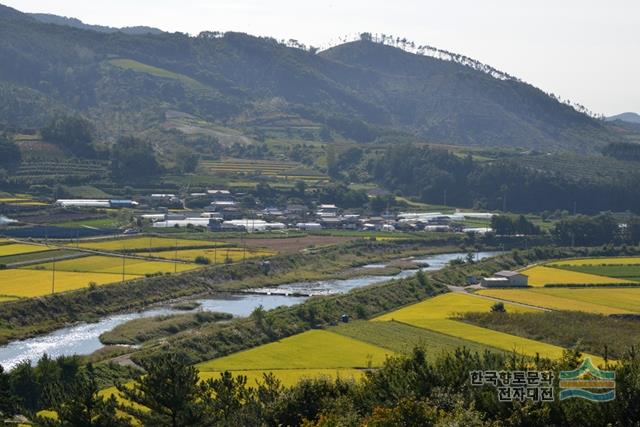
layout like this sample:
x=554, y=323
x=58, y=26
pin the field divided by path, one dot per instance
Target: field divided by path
x=114, y=265
x=309, y=354
x=35, y=283
x=435, y=314
x=542, y=275
x=590, y=300
x=215, y=255
x=12, y=249
x=143, y=244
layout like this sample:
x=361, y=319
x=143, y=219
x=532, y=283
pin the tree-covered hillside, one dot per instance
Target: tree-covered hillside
x=360, y=90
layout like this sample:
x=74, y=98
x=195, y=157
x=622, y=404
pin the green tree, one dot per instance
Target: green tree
x=169, y=390
x=132, y=158
x=74, y=133
x=10, y=155
x=84, y=407
x=8, y=401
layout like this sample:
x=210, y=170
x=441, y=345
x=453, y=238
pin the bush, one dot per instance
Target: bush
x=498, y=308
x=202, y=260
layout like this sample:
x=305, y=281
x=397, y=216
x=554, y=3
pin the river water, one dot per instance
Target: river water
x=4, y=220
x=83, y=338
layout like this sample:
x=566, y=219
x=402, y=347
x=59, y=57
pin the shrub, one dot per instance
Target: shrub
x=202, y=260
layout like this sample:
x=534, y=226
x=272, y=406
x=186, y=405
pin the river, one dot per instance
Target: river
x=83, y=338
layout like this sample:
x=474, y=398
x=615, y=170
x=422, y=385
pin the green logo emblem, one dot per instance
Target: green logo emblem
x=588, y=382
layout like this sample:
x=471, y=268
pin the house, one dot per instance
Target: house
x=308, y=226
x=327, y=210
x=511, y=279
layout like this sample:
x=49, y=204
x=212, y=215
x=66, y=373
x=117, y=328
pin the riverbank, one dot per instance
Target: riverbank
x=31, y=317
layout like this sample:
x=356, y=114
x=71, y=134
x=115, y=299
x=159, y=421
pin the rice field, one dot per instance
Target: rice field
x=315, y=349
x=590, y=300
x=542, y=275
x=215, y=255
x=403, y=338
x=20, y=248
x=114, y=265
x=264, y=167
x=599, y=261
x=625, y=271
x=142, y=243
x=35, y=283
x=290, y=377
x=435, y=314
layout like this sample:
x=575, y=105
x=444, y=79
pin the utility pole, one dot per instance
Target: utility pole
x=175, y=261
x=53, y=278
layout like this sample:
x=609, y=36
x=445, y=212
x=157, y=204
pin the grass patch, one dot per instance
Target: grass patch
x=316, y=349
x=130, y=64
x=138, y=331
x=594, y=333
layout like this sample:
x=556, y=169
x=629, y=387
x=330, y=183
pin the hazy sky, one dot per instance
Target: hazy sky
x=584, y=50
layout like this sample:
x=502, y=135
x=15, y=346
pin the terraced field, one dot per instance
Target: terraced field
x=435, y=314
x=45, y=171
x=21, y=200
x=215, y=255
x=114, y=265
x=143, y=243
x=287, y=170
x=13, y=249
x=312, y=353
x=590, y=300
x=542, y=275
x=35, y=283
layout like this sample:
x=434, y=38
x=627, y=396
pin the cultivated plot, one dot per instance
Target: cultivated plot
x=316, y=349
x=435, y=314
x=214, y=255
x=542, y=276
x=114, y=265
x=143, y=243
x=600, y=301
x=21, y=248
x=26, y=283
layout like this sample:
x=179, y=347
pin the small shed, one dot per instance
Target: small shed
x=506, y=279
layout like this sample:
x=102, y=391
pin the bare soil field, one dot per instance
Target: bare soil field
x=291, y=244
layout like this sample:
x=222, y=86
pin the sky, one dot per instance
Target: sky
x=582, y=50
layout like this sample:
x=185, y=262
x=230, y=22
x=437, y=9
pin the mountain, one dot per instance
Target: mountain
x=626, y=117
x=361, y=90
x=48, y=18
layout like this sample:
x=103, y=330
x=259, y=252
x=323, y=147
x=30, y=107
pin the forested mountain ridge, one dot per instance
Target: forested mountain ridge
x=361, y=90
x=48, y=18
